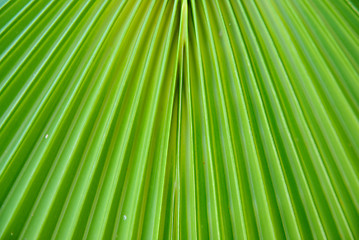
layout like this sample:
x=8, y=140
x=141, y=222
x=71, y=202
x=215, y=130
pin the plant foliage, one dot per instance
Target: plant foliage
x=179, y=119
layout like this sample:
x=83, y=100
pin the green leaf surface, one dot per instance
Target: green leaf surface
x=179, y=119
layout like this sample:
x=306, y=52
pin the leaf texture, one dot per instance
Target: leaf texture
x=178, y=119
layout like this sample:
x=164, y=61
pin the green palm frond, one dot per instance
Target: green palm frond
x=177, y=119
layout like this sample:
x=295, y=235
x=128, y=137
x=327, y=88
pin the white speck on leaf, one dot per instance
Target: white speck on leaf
x=124, y=217
x=47, y=135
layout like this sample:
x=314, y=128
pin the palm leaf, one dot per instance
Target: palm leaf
x=179, y=119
